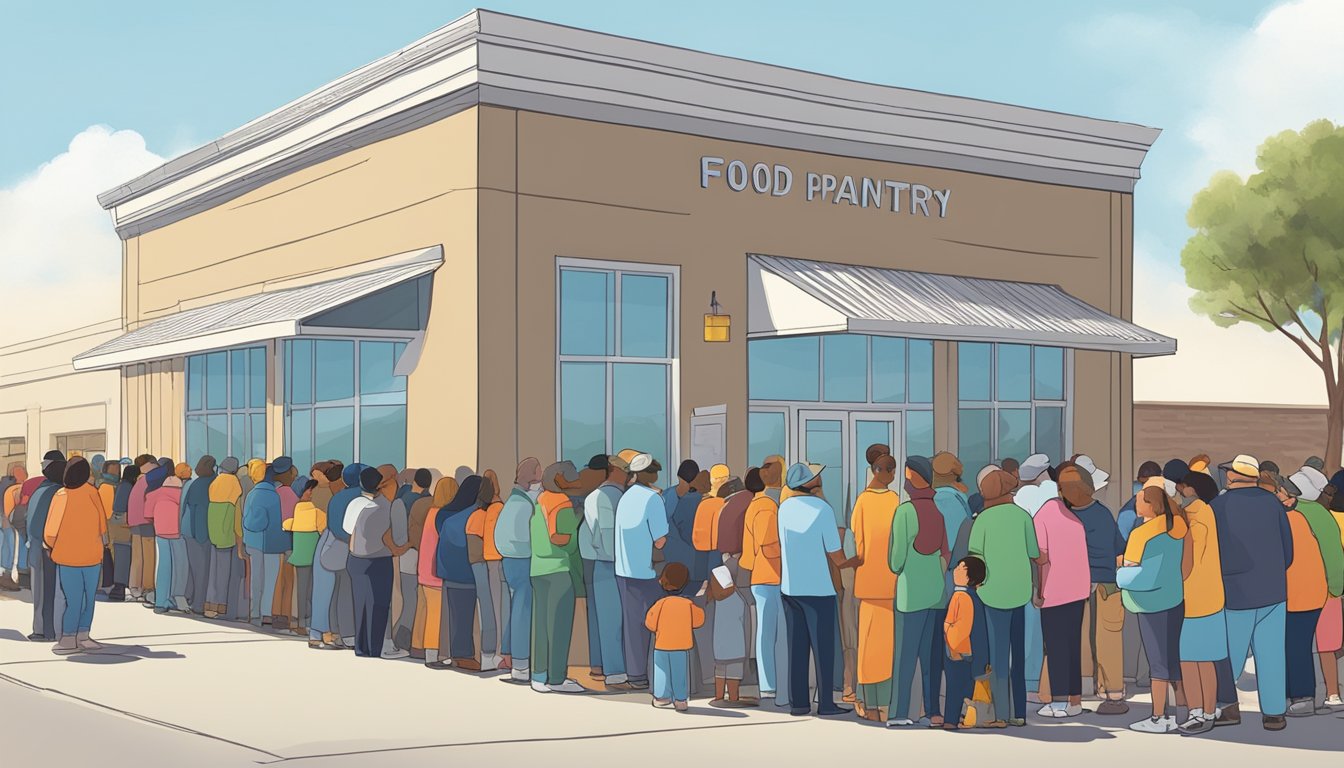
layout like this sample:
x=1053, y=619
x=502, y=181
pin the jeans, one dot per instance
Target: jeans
x=594, y=636
x=670, y=675
x=8, y=540
x=324, y=590
x=457, y=618
x=810, y=622
x=1007, y=643
x=371, y=588
x=42, y=572
x=1300, y=662
x=637, y=597
x=1262, y=631
x=518, y=577
x=604, y=602
x=772, y=644
x=914, y=636
x=552, y=627
x=1035, y=646
x=80, y=585
x=408, y=585
x=198, y=573
x=499, y=592
x=171, y=572
x=226, y=572
x=303, y=594
x=960, y=686
x=935, y=658
x=486, y=609
x=265, y=566
x=343, y=606
x=121, y=563
x=1062, y=636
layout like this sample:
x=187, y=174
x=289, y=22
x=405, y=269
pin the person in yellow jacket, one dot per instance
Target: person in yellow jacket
x=223, y=521
x=307, y=525
x=76, y=534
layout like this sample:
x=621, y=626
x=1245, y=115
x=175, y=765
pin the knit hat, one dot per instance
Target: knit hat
x=1175, y=470
x=229, y=465
x=369, y=479
x=920, y=466
x=997, y=488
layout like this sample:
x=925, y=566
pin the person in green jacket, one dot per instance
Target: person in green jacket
x=919, y=556
x=226, y=569
x=556, y=576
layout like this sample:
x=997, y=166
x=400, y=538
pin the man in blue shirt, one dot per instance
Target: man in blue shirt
x=1128, y=517
x=641, y=527
x=343, y=617
x=264, y=537
x=40, y=565
x=513, y=539
x=809, y=546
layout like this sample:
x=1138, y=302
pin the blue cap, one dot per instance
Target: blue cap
x=351, y=474
x=800, y=475
x=282, y=465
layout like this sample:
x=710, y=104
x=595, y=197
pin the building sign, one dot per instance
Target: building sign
x=777, y=180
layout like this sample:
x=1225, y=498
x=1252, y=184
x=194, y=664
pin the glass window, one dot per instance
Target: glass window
x=300, y=372
x=217, y=434
x=639, y=404
x=765, y=436
x=1013, y=369
x=382, y=435
x=973, y=369
x=888, y=370
x=258, y=434
x=256, y=377
x=823, y=444
x=644, y=324
x=300, y=438
x=377, y=363
x=195, y=438
x=220, y=405
x=587, y=320
x=921, y=371
x=784, y=368
x=973, y=438
x=216, y=381
x=1049, y=373
x=919, y=433
x=334, y=432
x=239, y=445
x=844, y=368
x=238, y=378
x=1050, y=432
x=195, y=383
x=334, y=376
x=1014, y=433
x=583, y=408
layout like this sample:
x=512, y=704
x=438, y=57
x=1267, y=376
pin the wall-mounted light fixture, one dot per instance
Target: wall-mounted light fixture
x=718, y=327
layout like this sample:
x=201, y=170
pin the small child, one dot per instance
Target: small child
x=307, y=525
x=967, y=640
x=671, y=620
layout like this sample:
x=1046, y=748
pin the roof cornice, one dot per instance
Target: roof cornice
x=500, y=60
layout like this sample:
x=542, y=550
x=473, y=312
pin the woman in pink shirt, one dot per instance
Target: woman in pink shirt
x=163, y=510
x=1065, y=583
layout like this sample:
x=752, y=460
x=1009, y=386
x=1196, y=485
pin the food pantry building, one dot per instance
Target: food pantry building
x=513, y=238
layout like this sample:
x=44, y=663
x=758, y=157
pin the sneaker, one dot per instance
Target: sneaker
x=1112, y=707
x=1017, y=722
x=1155, y=725
x=1305, y=708
x=1274, y=722
x=1071, y=710
x=1229, y=715
x=395, y=653
x=662, y=703
x=490, y=662
x=611, y=680
x=520, y=675
x=540, y=687
x=66, y=646
x=1047, y=711
x=681, y=706
x=1197, y=725
x=181, y=604
x=569, y=686
x=87, y=643
x=900, y=722
x=1334, y=703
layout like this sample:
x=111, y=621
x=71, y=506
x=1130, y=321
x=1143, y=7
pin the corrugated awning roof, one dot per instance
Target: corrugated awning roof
x=793, y=296
x=267, y=315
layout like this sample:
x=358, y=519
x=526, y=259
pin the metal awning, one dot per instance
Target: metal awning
x=789, y=297
x=277, y=311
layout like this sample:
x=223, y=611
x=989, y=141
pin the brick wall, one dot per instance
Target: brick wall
x=1285, y=434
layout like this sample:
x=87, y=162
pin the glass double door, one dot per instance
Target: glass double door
x=839, y=439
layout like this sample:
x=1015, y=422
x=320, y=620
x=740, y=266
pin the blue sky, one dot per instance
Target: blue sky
x=180, y=74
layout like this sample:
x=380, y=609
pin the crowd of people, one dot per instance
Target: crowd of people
x=963, y=596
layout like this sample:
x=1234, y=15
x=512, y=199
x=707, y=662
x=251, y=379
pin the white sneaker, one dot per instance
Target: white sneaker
x=1047, y=711
x=900, y=722
x=540, y=687
x=520, y=675
x=569, y=686
x=1071, y=710
x=1155, y=725
x=616, y=679
x=395, y=653
x=1334, y=702
x=490, y=662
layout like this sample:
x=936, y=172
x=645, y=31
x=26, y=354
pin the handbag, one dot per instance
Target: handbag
x=332, y=553
x=108, y=569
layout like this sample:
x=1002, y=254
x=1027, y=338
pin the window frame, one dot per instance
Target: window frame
x=228, y=411
x=994, y=405
x=672, y=362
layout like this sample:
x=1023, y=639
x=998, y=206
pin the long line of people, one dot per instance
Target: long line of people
x=962, y=598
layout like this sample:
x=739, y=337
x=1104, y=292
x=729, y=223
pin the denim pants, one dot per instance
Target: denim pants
x=670, y=680
x=121, y=563
x=810, y=623
x=604, y=602
x=80, y=586
x=457, y=620
x=42, y=573
x=264, y=567
x=1300, y=662
x=590, y=615
x=914, y=636
x=637, y=597
x=1007, y=641
x=772, y=644
x=485, y=609
x=1034, y=637
x=324, y=588
x=1261, y=631
x=7, y=551
x=1061, y=631
x=499, y=592
x=198, y=572
x=371, y=588
x=518, y=577
x=170, y=575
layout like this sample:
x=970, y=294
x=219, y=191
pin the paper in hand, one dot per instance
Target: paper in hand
x=723, y=576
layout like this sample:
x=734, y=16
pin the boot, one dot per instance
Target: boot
x=7, y=583
x=25, y=580
x=65, y=646
x=117, y=594
x=87, y=643
x=280, y=623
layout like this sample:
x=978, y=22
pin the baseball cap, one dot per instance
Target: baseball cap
x=641, y=462
x=1310, y=481
x=1099, y=476
x=1243, y=464
x=802, y=474
x=1033, y=467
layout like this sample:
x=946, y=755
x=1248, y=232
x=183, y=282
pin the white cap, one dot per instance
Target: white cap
x=1033, y=467
x=1099, y=476
x=1244, y=464
x=641, y=462
x=1310, y=481
x=983, y=473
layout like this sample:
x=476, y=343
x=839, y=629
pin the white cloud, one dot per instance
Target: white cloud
x=59, y=255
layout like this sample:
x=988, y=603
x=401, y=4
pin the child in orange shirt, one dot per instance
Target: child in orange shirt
x=671, y=620
x=967, y=639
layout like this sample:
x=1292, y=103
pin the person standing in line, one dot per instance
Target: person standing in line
x=1300, y=633
x=1158, y=558
x=429, y=602
x=494, y=568
x=809, y=547
x=265, y=540
x=457, y=612
x=918, y=555
x=597, y=547
x=118, y=531
x=142, y=534
x=513, y=539
x=760, y=557
x=772, y=474
x=306, y=527
x=730, y=638
x=335, y=557
x=196, y=532
x=282, y=602
x=163, y=508
x=407, y=581
x=1330, y=629
x=1036, y=486
x=40, y=565
x=672, y=620
x=368, y=522
x=10, y=486
x=75, y=533
x=950, y=497
x=875, y=589
x=1204, y=629
x=641, y=528
x=1308, y=592
x=1065, y=584
x=555, y=575
x=226, y=570
x=397, y=522
x=481, y=546
x=1255, y=545
x=1004, y=537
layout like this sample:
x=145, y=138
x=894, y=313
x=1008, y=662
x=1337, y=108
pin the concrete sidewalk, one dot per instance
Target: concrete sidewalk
x=200, y=692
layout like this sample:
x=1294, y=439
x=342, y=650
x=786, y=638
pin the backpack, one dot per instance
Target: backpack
x=18, y=518
x=705, y=530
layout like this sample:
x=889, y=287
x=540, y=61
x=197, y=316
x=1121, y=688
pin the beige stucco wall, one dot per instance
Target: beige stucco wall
x=608, y=192
x=402, y=194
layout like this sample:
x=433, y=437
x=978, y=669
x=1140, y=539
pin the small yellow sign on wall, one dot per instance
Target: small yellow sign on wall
x=718, y=327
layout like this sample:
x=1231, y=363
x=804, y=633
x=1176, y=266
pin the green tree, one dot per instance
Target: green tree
x=1269, y=251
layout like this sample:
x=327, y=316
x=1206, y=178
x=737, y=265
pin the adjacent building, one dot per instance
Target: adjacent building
x=514, y=238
